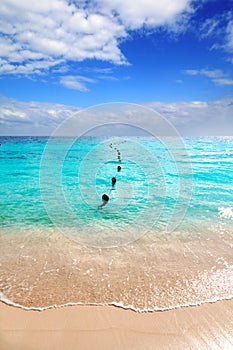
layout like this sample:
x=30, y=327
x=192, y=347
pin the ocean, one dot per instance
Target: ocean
x=163, y=240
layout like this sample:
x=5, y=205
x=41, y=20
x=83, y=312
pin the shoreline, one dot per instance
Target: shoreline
x=208, y=326
x=112, y=304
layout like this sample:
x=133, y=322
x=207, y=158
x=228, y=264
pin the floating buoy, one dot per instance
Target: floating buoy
x=105, y=199
x=113, y=181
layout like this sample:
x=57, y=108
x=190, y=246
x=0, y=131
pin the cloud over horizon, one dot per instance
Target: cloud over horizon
x=199, y=118
x=194, y=118
x=31, y=118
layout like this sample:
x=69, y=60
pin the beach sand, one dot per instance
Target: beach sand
x=209, y=326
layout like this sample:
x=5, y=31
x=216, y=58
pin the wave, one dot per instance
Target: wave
x=226, y=213
x=113, y=303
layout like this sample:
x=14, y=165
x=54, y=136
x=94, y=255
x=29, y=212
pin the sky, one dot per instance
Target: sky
x=60, y=56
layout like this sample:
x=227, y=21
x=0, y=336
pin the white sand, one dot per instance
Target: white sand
x=209, y=326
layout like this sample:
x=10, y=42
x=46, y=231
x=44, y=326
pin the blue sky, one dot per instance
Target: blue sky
x=169, y=55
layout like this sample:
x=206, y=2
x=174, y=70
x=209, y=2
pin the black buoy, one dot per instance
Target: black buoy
x=113, y=181
x=105, y=198
x=119, y=168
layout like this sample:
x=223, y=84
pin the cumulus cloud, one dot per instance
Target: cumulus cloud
x=50, y=32
x=136, y=13
x=196, y=118
x=39, y=35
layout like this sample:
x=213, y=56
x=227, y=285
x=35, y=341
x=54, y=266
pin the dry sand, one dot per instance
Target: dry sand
x=209, y=326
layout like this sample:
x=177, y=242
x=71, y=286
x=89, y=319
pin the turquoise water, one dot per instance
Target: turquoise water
x=209, y=172
x=166, y=232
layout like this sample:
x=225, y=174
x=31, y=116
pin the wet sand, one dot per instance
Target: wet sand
x=209, y=326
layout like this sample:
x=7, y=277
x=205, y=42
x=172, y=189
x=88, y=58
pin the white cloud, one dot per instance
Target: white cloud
x=199, y=118
x=136, y=13
x=223, y=81
x=229, y=37
x=9, y=114
x=196, y=118
x=220, y=30
x=217, y=76
x=209, y=27
x=191, y=71
x=55, y=31
x=31, y=118
x=212, y=73
x=40, y=35
x=76, y=82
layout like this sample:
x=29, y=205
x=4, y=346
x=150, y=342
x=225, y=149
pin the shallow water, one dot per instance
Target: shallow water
x=164, y=240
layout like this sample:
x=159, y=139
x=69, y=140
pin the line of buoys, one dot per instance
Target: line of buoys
x=105, y=197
